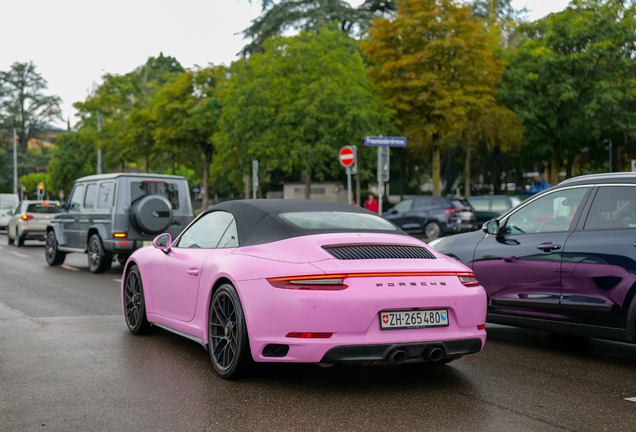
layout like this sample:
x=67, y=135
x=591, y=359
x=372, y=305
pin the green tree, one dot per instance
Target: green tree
x=279, y=17
x=31, y=181
x=23, y=105
x=124, y=103
x=436, y=64
x=73, y=157
x=187, y=112
x=296, y=104
x=572, y=80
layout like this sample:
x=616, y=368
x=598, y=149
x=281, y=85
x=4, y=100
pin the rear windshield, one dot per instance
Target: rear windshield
x=337, y=220
x=154, y=187
x=44, y=208
x=462, y=204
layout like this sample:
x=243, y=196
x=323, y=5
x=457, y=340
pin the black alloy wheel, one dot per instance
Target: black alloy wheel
x=228, y=343
x=134, y=303
x=432, y=230
x=98, y=259
x=53, y=255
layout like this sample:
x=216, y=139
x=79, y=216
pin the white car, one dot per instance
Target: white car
x=8, y=203
x=30, y=220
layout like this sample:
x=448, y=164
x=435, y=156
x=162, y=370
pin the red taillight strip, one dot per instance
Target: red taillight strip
x=335, y=281
x=356, y=275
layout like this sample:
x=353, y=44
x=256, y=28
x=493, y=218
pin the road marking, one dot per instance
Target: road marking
x=117, y=280
x=631, y=399
x=20, y=255
x=70, y=268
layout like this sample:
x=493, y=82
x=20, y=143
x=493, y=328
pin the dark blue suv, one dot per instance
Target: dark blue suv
x=433, y=216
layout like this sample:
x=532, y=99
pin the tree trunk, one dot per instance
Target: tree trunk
x=207, y=156
x=467, y=173
x=496, y=172
x=146, y=164
x=307, y=184
x=248, y=185
x=555, y=163
x=436, y=166
x=569, y=167
x=358, y=187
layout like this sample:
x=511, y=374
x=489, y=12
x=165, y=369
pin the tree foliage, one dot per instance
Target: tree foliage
x=296, y=104
x=572, y=80
x=23, y=104
x=187, y=112
x=435, y=64
x=73, y=157
x=279, y=17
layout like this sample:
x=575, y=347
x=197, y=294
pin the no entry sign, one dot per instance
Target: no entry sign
x=346, y=157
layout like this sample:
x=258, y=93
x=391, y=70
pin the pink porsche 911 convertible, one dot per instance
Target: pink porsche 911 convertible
x=306, y=282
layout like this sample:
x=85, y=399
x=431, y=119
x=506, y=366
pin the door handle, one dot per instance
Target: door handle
x=548, y=246
x=193, y=272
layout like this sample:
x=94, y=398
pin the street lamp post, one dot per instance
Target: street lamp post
x=15, y=163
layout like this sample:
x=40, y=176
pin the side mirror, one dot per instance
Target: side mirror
x=163, y=242
x=10, y=213
x=491, y=227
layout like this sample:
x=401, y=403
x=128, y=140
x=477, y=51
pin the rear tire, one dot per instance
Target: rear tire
x=228, y=343
x=433, y=230
x=98, y=259
x=135, y=303
x=20, y=238
x=51, y=251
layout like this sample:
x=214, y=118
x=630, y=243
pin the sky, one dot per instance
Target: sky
x=74, y=42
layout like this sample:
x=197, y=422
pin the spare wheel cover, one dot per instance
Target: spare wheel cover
x=153, y=213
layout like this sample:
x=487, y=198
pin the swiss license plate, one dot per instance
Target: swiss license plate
x=413, y=319
x=466, y=215
x=147, y=243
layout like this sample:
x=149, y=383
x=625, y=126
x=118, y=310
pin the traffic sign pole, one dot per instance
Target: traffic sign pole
x=349, y=191
x=384, y=145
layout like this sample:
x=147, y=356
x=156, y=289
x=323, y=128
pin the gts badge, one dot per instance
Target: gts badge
x=412, y=284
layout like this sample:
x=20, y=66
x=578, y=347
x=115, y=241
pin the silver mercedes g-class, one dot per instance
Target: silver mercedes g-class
x=111, y=215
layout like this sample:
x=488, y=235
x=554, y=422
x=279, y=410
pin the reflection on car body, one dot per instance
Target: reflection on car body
x=562, y=261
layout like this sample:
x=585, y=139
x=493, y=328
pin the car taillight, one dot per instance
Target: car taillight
x=310, y=335
x=336, y=282
x=453, y=211
x=310, y=282
x=27, y=217
x=468, y=279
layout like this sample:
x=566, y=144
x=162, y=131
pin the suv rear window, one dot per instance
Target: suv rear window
x=43, y=208
x=457, y=203
x=155, y=187
x=337, y=220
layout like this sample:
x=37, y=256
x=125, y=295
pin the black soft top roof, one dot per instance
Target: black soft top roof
x=258, y=221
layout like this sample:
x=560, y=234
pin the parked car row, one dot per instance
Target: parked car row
x=436, y=216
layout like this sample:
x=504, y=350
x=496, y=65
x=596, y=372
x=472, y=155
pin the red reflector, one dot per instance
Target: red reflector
x=481, y=326
x=123, y=243
x=452, y=211
x=120, y=235
x=310, y=335
x=27, y=217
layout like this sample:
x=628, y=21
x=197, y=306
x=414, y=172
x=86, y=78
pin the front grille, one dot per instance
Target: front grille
x=377, y=251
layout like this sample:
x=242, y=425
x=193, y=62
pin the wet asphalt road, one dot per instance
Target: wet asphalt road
x=67, y=362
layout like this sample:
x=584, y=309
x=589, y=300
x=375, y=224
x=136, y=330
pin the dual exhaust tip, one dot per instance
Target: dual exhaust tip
x=431, y=354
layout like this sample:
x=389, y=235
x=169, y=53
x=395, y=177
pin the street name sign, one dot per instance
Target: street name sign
x=384, y=141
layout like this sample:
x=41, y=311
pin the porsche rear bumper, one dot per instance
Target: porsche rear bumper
x=352, y=316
